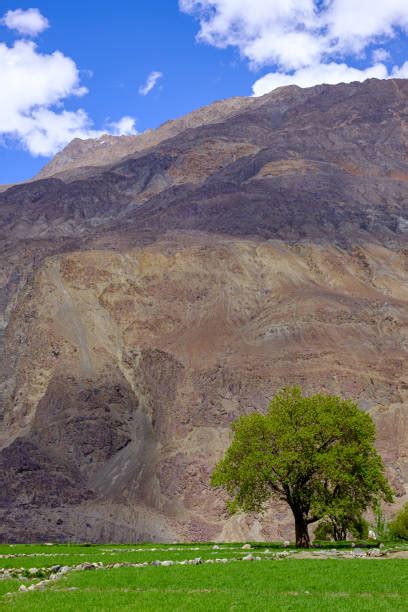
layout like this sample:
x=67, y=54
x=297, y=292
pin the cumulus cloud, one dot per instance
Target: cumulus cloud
x=305, y=41
x=400, y=72
x=282, y=32
x=124, y=127
x=44, y=132
x=353, y=25
x=27, y=23
x=33, y=88
x=150, y=83
x=320, y=73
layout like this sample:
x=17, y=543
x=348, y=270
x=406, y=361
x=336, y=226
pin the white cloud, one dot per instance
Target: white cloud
x=151, y=82
x=124, y=127
x=354, y=24
x=45, y=132
x=320, y=73
x=400, y=72
x=305, y=41
x=27, y=23
x=279, y=31
x=33, y=87
x=380, y=55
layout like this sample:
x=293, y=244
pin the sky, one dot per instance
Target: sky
x=71, y=68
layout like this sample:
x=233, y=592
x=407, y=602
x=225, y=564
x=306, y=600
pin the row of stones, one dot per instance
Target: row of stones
x=105, y=551
x=57, y=572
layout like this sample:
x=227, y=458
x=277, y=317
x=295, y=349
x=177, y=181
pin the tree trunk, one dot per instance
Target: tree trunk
x=302, y=533
x=339, y=533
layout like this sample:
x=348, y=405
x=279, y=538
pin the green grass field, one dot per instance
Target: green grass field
x=271, y=583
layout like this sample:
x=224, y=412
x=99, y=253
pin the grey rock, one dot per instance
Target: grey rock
x=358, y=552
x=197, y=561
x=374, y=552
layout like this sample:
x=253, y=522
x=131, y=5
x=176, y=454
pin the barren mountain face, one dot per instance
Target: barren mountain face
x=154, y=291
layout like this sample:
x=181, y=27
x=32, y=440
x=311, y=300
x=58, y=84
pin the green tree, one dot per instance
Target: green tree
x=398, y=528
x=380, y=526
x=338, y=527
x=315, y=453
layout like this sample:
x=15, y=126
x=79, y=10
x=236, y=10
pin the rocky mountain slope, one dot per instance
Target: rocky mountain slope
x=107, y=149
x=152, y=292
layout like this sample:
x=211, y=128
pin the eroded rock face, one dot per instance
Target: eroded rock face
x=146, y=356
x=147, y=304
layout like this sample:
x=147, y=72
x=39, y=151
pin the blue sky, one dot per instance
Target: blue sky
x=205, y=50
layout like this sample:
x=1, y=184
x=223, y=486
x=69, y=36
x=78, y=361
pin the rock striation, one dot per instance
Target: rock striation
x=153, y=288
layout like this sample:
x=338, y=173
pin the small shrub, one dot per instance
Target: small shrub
x=359, y=528
x=356, y=527
x=398, y=528
x=323, y=532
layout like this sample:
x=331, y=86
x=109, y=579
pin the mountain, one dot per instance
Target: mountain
x=108, y=149
x=155, y=287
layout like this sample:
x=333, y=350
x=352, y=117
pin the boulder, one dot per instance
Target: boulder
x=358, y=552
x=374, y=552
x=197, y=561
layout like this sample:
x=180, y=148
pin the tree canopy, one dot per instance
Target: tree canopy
x=315, y=453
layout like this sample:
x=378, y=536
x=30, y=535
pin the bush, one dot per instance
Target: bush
x=323, y=532
x=356, y=527
x=398, y=528
x=359, y=528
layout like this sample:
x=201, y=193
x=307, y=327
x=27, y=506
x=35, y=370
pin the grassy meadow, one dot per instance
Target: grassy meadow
x=270, y=582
